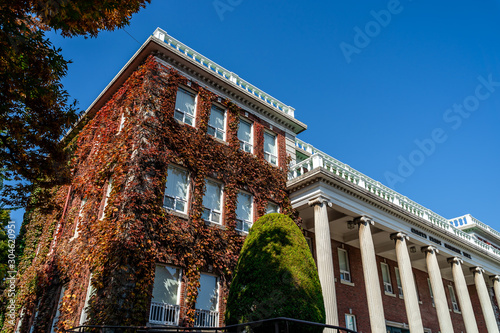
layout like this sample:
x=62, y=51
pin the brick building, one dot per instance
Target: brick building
x=176, y=159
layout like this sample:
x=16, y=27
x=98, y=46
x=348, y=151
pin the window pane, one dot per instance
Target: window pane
x=398, y=277
x=166, y=285
x=269, y=143
x=216, y=118
x=343, y=260
x=177, y=183
x=212, y=196
x=244, y=207
x=350, y=322
x=207, y=293
x=245, y=131
x=184, y=101
x=385, y=273
x=272, y=208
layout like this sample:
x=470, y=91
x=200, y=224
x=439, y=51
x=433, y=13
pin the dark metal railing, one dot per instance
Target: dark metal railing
x=275, y=325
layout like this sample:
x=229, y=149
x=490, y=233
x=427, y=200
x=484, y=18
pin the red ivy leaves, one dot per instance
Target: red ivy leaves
x=122, y=248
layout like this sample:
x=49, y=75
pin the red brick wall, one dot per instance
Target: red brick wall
x=352, y=299
x=481, y=325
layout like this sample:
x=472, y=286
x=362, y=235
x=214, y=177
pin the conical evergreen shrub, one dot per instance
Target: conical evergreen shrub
x=275, y=277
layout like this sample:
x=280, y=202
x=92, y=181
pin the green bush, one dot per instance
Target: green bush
x=275, y=277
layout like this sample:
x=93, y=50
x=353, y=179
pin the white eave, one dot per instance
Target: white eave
x=188, y=58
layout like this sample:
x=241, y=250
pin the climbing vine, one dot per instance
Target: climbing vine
x=120, y=237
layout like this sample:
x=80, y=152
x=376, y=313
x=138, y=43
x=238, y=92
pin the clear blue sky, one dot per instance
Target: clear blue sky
x=367, y=97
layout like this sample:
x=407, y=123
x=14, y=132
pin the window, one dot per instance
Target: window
x=416, y=288
x=310, y=244
x=32, y=328
x=270, y=151
x=272, y=208
x=454, y=302
x=212, y=202
x=217, y=123
x=245, y=136
x=350, y=321
x=122, y=122
x=58, y=313
x=185, y=106
x=109, y=187
x=345, y=272
x=176, y=190
x=244, y=210
x=207, y=303
x=386, y=278
x=432, y=294
x=398, y=282
x=90, y=293
x=79, y=217
x=165, y=307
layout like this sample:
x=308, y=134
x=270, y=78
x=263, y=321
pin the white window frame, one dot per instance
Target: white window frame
x=58, y=312
x=108, y=192
x=164, y=313
x=350, y=315
x=416, y=288
x=345, y=275
x=217, y=310
x=387, y=284
x=310, y=244
x=241, y=222
x=244, y=145
x=79, y=218
x=269, y=203
x=213, y=211
x=453, y=298
x=398, y=282
x=122, y=122
x=177, y=199
x=90, y=293
x=215, y=129
x=431, y=292
x=184, y=114
x=268, y=155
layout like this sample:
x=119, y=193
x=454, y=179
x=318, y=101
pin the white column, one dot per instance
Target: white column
x=496, y=287
x=325, y=259
x=463, y=295
x=440, y=301
x=408, y=283
x=484, y=299
x=370, y=273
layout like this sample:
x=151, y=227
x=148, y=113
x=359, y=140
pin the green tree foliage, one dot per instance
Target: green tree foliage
x=275, y=277
x=35, y=110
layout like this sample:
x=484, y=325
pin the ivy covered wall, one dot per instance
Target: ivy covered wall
x=122, y=237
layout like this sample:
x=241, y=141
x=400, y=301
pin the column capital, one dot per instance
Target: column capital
x=429, y=249
x=318, y=201
x=495, y=277
x=477, y=269
x=455, y=260
x=363, y=220
x=399, y=236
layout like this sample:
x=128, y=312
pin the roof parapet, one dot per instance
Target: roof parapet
x=174, y=44
x=321, y=159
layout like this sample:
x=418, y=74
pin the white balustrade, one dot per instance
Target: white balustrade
x=206, y=318
x=224, y=73
x=164, y=314
x=320, y=159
